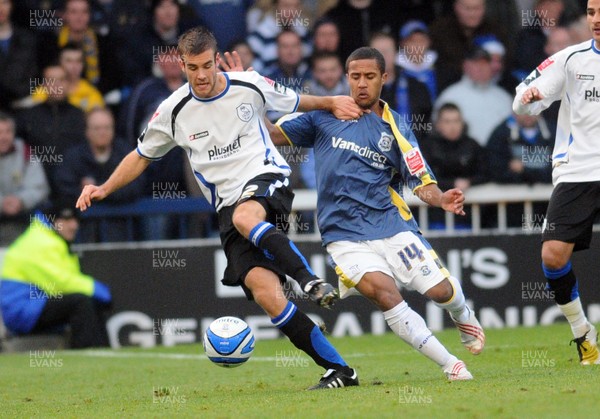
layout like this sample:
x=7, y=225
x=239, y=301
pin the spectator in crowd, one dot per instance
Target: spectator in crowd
x=508, y=15
x=24, y=9
x=520, y=151
x=54, y=126
x=406, y=95
x=245, y=52
x=483, y=104
x=558, y=39
x=148, y=94
x=141, y=49
x=327, y=80
x=327, y=75
x=226, y=19
x=453, y=35
x=457, y=160
x=358, y=20
x=165, y=177
x=500, y=76
x=285, y=15
x=579, y=29
x=326, y=36
x=75, y=28
x=415, y=56
x=80, y=92
x=23, y=184
x=17, y=58
x=92, y=162
x=43, y=288
x=290, y=70
x=119, y=18
x=532, y=36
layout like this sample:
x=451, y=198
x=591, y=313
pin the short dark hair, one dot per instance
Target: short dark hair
x=286, y=31
x=4, y=117
x=367, y=53
x=71, y=46
x=195, y=41
x=323, y=55
x=448, y=106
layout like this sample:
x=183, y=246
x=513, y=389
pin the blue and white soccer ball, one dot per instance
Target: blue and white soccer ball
x=228, y=341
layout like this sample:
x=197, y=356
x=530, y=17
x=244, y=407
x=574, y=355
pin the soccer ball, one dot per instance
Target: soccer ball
x=228, y=341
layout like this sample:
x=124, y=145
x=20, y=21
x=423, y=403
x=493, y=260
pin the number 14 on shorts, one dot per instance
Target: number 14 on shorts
x=410, y=253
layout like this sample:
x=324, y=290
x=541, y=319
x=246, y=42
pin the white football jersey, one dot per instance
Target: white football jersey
x=224, y=137
x=572, y=75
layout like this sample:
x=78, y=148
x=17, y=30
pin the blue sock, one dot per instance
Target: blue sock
x=562, y=282
x=276, y=246
x=306, y=336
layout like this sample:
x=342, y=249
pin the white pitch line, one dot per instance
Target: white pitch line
x=109, y=354
x=122, y=354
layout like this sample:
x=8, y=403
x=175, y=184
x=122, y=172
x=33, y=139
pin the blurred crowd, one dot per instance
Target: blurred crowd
x=79, y=79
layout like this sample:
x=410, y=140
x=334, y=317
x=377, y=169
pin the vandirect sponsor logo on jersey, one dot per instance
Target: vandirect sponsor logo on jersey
x=592, y=95
x=379, y=160
x=219, y=153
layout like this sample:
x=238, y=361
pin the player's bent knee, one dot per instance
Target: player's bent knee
x=266, y=290
x=386, y=299
x=241, y=222
x=555, y=256
x=442, y=292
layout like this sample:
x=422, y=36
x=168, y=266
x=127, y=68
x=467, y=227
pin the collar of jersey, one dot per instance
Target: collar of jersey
x=210, y=99
x=596, y=50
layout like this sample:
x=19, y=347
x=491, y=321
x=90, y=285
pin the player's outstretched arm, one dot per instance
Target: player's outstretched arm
x=452, y=200
x=531, y=95
x=343, y=107
x=275, y=133
x=128, y=170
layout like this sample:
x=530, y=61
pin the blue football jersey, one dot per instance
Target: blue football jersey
x=361, y=166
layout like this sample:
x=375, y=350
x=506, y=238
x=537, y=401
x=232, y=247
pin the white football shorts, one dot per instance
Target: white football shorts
x=407, y=257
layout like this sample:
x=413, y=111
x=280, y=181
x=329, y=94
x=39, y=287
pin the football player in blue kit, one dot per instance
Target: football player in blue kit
x=367, y=228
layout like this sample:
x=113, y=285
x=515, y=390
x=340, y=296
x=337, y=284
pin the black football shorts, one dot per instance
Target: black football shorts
x=273, y=193
x=571, y=213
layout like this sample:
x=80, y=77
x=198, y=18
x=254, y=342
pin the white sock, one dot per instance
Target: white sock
x=456, y=305
x=411, y=328
x=576, y=317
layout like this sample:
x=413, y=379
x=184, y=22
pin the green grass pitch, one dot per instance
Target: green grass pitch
x=523, y=372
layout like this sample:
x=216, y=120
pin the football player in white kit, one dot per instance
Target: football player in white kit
x=217, y=118
x=572, y=76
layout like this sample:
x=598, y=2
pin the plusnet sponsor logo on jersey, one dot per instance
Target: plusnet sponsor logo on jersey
x=378, y=159
x=592, y=95
x=218, y=153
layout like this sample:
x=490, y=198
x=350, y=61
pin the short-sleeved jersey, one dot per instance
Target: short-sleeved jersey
x=572, y=75
x=355, y=162
x=224, y=137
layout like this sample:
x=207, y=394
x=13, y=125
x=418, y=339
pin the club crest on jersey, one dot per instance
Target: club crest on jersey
x=385, y=142
x=245, y=112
